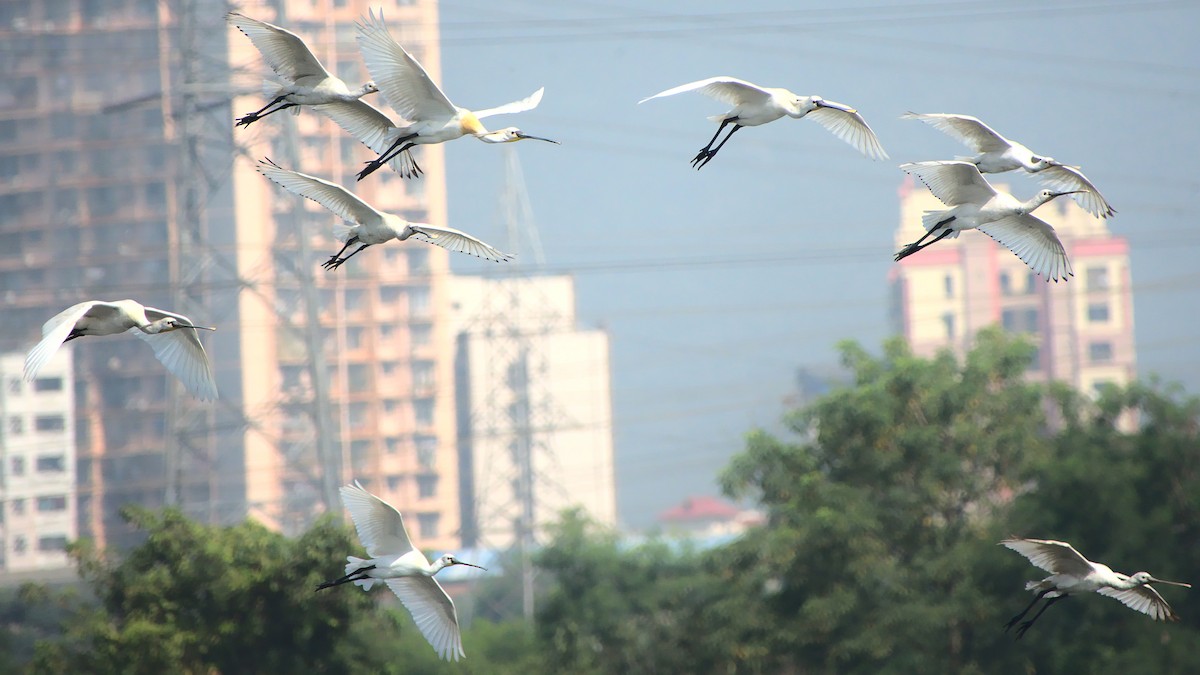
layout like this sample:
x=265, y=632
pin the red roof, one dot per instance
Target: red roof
x=700, y=508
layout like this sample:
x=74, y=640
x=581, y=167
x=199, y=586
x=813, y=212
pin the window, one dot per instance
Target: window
x=390, y=295
x=1035, y=359
x=52, y=503
x=1099, y=386
x=1100, y=352
x=48, y=384
x=422, y=373
x=18, y=466
x=423, y=411
x=48, y=463
x=948, y=323
x=427, y=525
x=1097, y=278
x=948, y=285
x=360, y=455
x=18, y=507
x=19, y=544
x=50, y=423
x=422, y=334
x=1005, y=284
x=427, y=486
x=418, y=300
x=418, y=261
x=392, y=444
x=426, y=451
x=394, y=481
x=52, y=543
x=16, y=425
x=1098, y=312
x=14, y=386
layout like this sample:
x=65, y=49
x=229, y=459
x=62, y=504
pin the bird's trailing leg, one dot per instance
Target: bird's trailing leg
x=246, y=120
x=1013, y=621
x=335, y=262
x=356, y=575
x=388, y=155
x=1026, y=624
x=916, y=246
x=705, y=155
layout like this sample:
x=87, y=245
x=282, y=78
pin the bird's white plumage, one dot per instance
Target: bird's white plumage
x=399, y=76
x=1143, y=599
x=433, y=612
x=528, y=103
x=952, y=182
x=380, y=526
x=371, y=127
x=728, y=90
x=283, y=50
x=999, y=154
x=371, y=226
x=179, y=349
x=1033, y=241
x=1056, y=557
x=848, y=125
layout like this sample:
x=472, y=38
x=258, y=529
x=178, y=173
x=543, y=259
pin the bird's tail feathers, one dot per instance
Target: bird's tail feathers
x=367, y=583
x=932, y=218
x=716, y=118
x=271, y=88
x=964, y=158
x=353, y=564
x=342, y=232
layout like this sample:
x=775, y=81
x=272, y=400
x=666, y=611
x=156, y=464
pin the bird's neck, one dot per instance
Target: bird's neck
x=471, y=125
x=1124, y=582
x=1031, y=204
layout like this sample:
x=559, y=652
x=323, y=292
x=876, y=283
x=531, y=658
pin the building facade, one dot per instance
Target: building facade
x=534, y=407
x=1082, y=327
x=123, y=176
x=37, y=465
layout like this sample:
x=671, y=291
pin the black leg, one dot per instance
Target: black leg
x=336, y=262
x=246, y=120
x=356, y=575
x=387, y=155
x=712, y=140
x=1013, y=621
x=913, y=248
x=1025, y=625
x=706, y=156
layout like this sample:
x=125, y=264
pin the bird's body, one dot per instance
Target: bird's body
x=997, y=154
x=975, y=204
x=370, y=226
x=754, y=105
x=429, y=115
x=396, y=562
x=172, y=336
x=306, y=82
x=1072, y=573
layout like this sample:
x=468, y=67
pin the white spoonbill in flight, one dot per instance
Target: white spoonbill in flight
x=371, y=226
x=172, y=336
x=975, y=204
x=431, y=117
x=307, y=81
x=396, y=562
x=754, y=105
x=1070, y=573
x=997, y=154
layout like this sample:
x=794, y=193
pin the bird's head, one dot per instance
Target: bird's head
x=370, y=87
x=1143, y=578
x=449, y=560
x=1037, y=163
x=807, y=104
x=1046, y=195
x=171, y=323
x=511, y=135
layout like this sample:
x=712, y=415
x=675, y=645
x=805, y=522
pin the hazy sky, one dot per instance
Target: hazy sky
x=716, y=285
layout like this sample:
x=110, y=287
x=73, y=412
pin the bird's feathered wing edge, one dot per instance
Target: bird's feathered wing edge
x=282, y=49
x=54, y=332
x=1143, y=599
x=400, y=77
x=952, y=181
x=1061, y=177
x=182, y=353
x=1034, y=241
x=433, y=612
x=380, y=526
x=968, y=130
x=333, y=197
x=726, y=89
x=457, y=241
x=1056, y=557
x=851, y=128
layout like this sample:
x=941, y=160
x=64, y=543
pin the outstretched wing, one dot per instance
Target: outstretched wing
x=952, y=181
x=283, y=50
x=1056, y=557
x=1143, y=599
x=182, y=353
x=1033, y=241
x=968, y=130
x=1061, y=178
x=333, y=197
x=380, y=526
x=54, y=334
x=528, y=103
x=457, y=241
x=847, y=124
x=399, y=76
x=433, y=612
x=723, y=88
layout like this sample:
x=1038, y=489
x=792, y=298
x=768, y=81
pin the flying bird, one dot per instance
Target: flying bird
x=997, y=154
x=754, y=105
x=172, y=336
x=307, y=81
x=430, y=116
x=396, y=562
x=1070, y=572
x=975, y=204
x=369, y=225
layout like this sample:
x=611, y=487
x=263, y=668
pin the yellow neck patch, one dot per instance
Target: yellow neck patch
x=471, y=124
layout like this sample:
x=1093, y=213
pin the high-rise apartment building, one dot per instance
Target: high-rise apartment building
x=1083, y=327
x=534, y=407
x=37, y=464
x=122, y=176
